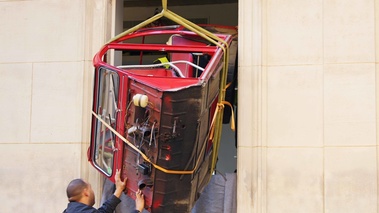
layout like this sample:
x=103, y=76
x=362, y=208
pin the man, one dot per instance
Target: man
x=81, y=197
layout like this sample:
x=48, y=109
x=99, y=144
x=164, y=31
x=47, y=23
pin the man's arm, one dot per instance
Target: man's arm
x=115, y=199
x=110, y=205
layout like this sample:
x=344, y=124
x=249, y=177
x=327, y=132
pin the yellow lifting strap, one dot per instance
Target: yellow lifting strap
x=130, y=144
x=209, y=37
x=219, y=106
x=163, y=60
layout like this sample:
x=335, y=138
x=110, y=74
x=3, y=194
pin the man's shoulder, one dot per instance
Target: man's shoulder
x=73, y=207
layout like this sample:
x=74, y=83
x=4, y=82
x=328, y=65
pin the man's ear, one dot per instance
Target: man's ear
x=85, y=192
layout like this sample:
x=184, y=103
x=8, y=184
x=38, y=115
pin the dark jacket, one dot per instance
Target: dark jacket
x=108, y=207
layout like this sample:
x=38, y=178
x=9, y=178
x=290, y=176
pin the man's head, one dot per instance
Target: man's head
x=80, y=191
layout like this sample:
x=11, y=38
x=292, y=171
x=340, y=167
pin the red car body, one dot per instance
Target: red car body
x=152, y=118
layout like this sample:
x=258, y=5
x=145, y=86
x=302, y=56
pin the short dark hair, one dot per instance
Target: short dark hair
x=75, y=188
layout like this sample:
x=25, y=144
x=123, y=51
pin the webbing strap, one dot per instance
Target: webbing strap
x=187, y=172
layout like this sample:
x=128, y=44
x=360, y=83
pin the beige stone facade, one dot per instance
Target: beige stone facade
x=310, y=140
x=307, y=91
x=46, y=50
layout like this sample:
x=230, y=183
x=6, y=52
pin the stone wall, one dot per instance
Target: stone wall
x=308, y=94
x=46, y=50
